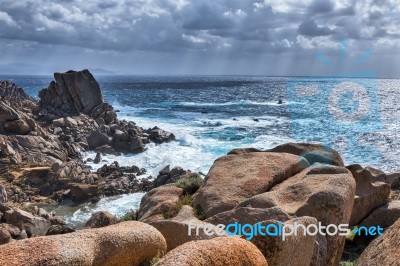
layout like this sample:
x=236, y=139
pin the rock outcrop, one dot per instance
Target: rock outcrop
x=101, y=219
x=158, y=201
x=128, y=243
x=176, y=230
x=323, y=192
x=217, y=251
x=384, y=250
x=73, y=91
x=234, y=178
x=295, y=250
x=314, y=153
x=370, y=194
x=33, y=226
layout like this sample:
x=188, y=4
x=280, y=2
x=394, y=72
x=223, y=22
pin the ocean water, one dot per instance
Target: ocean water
x=211, y=115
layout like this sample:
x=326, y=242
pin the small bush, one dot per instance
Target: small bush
x=198, y=211
x=130, y=216
x=151, y=262
x=346, y=263
x=190, y=185
x=183, y=200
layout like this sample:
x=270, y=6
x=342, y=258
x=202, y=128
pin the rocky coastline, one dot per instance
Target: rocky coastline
x=41, y=146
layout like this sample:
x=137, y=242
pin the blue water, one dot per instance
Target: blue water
x=211, y=115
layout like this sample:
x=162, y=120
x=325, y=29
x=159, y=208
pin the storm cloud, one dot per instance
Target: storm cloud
x=204, y=36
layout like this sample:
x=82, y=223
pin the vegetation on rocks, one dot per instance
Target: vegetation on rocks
x=190, y=185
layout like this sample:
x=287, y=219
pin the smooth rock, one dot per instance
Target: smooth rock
x=216, y=251
x=128, y=243
x=157, y=201
x=384, y=250
x=235, y=178
x=314, y=153
x=101, y=219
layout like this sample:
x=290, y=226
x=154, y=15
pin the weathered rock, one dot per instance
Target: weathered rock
x=369, y=194
x=324, y=192
x=73, y=91
x=101, y=219
x=384, y=250
x=35, y=150
x=128, y=243
x=247, y=215
x=10, y=92
x=217, y=251
x=157, y=201
x=34, y=226
x=314, y=153
x=98, y=158
x=83, y=192
x=383, y=216
x=243, y=150
x=14, y=231
x=3, y=194
x=5, y=236
x=59, y=230
x=167, y=176
x=7, y=113
x=177, y=233
x=234, y=178
x=97, y=139
x=393, y=179
x=158, y=135
x=294, y=250
x=19, y=127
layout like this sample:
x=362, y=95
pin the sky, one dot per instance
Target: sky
x=202, y=37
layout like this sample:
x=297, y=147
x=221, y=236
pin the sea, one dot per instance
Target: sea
x=210, y=115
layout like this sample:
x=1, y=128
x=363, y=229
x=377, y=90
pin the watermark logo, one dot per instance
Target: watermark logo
x=340, y=109
x=279, y=229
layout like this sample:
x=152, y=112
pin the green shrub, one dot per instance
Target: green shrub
x=172, y=212
x=198, y=211
x=130, y=216
x=151, y=262
x=190, y=184
x=347, y=263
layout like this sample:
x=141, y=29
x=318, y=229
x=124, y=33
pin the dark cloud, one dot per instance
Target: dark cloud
x=311, y=28
x=205, y=29
x=321, y=6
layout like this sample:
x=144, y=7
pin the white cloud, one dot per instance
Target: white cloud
x=6, y=18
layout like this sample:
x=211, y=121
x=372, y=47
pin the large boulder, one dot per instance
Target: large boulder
x=5, y=235
x=324, y=192
x=72, y=91
x=84, y=192
x=370, y=194
x=101, y=219
x=247, y=215
x=384, y=250
x=293, y=250
x=157, y=201
x=33, y=225
x=384, y=216
x=217, y=251
x=128, y=243
x=97, y=139
x=234, y=178
x=274, y=248
x=314, y=153
x=176, y=230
